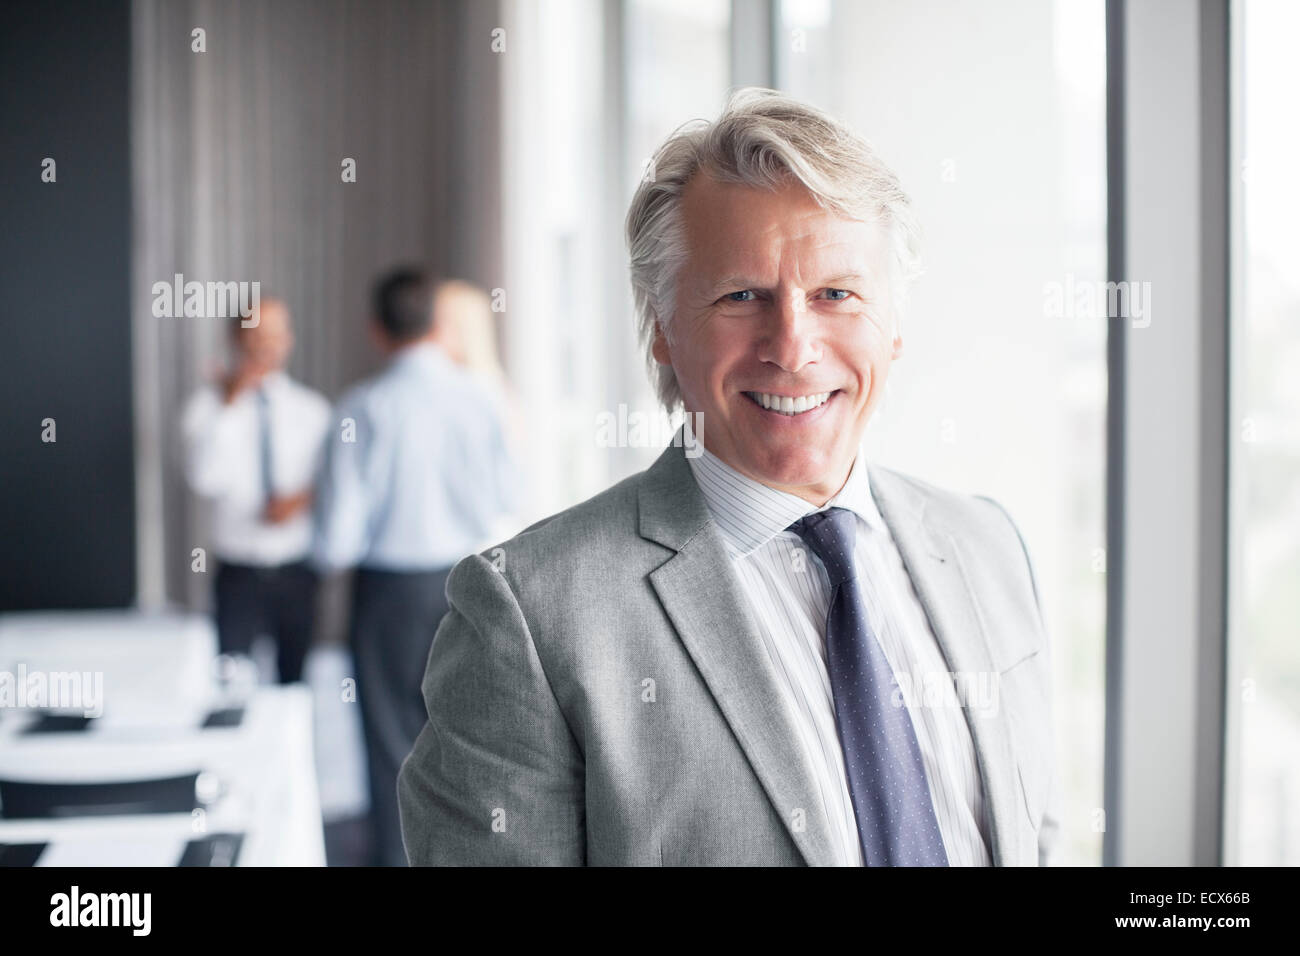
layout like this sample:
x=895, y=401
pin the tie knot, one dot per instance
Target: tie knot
x=830, y=534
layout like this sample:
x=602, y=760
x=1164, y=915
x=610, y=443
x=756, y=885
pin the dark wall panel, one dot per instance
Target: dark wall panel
x=67, y=522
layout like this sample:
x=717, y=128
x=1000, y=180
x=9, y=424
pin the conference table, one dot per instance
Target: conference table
x=183, y=759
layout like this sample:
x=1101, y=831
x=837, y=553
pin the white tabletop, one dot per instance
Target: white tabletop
x=265, y=766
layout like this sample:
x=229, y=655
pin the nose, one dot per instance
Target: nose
x=791, y=333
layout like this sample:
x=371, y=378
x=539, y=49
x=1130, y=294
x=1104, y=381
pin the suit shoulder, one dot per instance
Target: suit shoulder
x=552, y=562
x=595, y=526
x=947, y=502
x=980, y=522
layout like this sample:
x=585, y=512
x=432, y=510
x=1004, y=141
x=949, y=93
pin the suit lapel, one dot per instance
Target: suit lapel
x=706, y=604
x=934, y=565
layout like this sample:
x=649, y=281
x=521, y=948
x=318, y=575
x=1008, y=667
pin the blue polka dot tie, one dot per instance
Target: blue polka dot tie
x=896, y=821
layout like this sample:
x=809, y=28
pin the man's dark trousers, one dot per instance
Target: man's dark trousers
x=276, y=601
x=395, y=615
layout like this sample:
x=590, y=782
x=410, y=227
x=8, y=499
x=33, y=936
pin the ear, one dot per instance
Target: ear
x=659, y=347
x=378, y=338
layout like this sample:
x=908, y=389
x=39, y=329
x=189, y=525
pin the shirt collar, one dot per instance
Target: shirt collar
x=423, y=351
x=273, y=381
x=750, y=513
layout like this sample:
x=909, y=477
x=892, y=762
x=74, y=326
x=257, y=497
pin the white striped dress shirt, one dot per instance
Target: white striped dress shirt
x=789, y=590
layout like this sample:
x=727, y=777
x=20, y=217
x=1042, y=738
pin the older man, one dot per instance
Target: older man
x=775, y=652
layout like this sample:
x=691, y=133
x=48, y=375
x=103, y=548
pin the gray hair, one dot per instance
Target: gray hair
x=762, y=139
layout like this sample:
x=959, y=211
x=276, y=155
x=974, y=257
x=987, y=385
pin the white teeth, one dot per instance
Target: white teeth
x=787, y=405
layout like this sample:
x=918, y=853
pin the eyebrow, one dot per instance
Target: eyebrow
x=738, y=282
x=846, y=277
x=730, y=283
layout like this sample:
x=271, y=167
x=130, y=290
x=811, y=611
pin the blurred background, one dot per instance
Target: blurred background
x=1151, y=459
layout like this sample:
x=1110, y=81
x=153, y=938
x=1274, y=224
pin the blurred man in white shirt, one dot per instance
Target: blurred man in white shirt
x=253, y=442
x=416, y=479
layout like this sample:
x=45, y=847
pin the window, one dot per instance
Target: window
x=591, y=90
x=1263, y=805
x=994, y=118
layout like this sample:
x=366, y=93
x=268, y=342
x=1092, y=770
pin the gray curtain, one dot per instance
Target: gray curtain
x=237, y=154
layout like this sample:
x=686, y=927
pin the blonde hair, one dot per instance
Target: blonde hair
x=465, y=311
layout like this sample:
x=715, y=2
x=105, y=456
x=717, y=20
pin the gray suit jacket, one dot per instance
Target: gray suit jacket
x=598, y=692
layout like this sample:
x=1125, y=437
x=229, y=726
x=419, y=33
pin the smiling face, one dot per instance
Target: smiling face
x=781, y=337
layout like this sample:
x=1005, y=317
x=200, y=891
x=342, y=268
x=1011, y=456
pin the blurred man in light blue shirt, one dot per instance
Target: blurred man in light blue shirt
x=417, y=474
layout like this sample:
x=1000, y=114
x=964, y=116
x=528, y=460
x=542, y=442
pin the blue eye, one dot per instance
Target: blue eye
x=835, y=298
x=732, y=295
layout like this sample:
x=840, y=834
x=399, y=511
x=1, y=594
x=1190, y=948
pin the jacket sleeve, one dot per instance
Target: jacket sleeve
x=1049, y=832
x=496, y=776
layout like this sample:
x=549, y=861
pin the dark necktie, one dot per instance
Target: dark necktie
x=891, y=799
x=264, y=430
